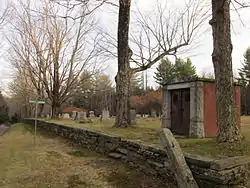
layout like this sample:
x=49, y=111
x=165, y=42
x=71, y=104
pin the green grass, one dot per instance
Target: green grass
x=58, y=163
x=147, y=129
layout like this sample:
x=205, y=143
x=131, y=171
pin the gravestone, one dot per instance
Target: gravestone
x=47, y=116
x=153, y=113
x=91, y=114
x=105, y=115
x=65, y=116
x=74, y=115
x=133, y=116
x=81, y=116
x=138, y=115
x=164, y=117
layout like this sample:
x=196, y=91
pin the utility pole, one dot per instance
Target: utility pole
x=142, y=80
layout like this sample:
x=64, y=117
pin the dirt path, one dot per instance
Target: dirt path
x=56, y=163
x=3, y=129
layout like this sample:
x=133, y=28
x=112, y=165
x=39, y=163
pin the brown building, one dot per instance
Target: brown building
x=190, y=107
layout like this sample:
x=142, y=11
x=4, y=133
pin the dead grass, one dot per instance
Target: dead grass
x=57, y=163
x=147, y=129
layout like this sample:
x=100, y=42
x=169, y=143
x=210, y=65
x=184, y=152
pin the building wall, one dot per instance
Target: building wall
x=210, y=125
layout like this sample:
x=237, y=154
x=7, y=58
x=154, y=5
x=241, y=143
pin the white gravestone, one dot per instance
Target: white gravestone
x=66, y=116
x=105, y=115
x=91, y=114
x=153, y=113
x=74, y=115
x=81, y=115
x=133, y=116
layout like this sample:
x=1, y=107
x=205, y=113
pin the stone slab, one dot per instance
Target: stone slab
x=203, y=162
x=179, y=167
x=228, y=163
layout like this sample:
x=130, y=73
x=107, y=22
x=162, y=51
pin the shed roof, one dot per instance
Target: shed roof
x=195, y=79
x=72, y=108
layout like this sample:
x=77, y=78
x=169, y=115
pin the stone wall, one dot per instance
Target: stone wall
x=152, y=160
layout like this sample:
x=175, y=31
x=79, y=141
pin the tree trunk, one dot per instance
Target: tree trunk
x=41, y=107
x=222, y=61
x=124, y=72
x=55, y=106
x=55, y=110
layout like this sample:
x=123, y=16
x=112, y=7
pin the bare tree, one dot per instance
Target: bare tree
x=207, y=74
x=124, y=73
x=222, y=60
x=21, y=92
x=53, y=50
x=156, y=39
x=5, y=15
x=87, y=7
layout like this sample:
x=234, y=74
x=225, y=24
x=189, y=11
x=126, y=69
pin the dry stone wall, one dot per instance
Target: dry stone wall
x=207, y=172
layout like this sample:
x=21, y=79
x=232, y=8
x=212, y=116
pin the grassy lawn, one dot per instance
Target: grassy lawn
x=57, y=163
x=147, y=129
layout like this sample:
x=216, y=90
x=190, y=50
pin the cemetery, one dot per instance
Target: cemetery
x=125, y=94
x=147, y=131
x=208, y=172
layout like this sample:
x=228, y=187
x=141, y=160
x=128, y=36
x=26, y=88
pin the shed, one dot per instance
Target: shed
x=189, y=107
x=70, y=109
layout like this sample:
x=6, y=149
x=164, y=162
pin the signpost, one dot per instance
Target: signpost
x=36, y=102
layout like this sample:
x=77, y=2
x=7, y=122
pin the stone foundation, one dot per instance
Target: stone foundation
x=154, y=161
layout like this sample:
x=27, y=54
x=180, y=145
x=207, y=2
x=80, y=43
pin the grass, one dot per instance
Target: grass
x=147, y=129
x=57, y=163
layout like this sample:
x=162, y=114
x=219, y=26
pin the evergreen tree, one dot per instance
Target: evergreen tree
x=184, y=68
x=136, y=84
x=166, y=71
x=245, y=70
x=244, y=80
x=4, y=110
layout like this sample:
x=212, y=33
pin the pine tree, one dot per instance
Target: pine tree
x=4, y=110
x=245, y=70
x=167, y=72
x=136, y=84
x=244, y=80
x=184, y=69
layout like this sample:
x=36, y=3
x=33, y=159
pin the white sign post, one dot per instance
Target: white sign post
x=36, y=102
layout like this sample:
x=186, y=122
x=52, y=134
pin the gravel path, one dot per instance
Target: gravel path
x=3, y=129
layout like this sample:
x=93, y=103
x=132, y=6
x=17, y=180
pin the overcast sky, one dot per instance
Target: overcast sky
x=200, y=56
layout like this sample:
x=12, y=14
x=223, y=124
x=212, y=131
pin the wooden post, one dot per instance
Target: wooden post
x=35, y=124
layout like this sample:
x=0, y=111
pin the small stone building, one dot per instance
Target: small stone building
x=189, y=107
x=70, y=109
